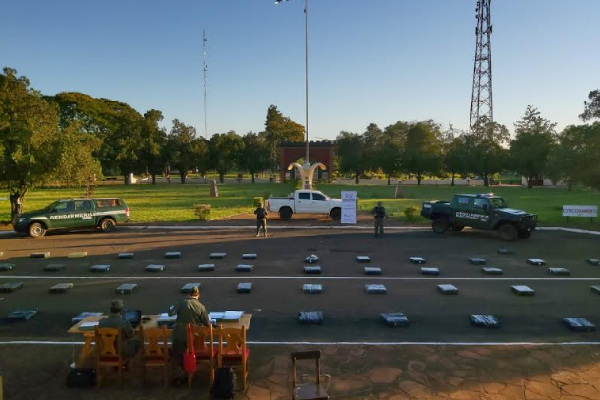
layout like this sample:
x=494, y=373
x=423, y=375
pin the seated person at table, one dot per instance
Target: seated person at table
x=189, y=311
x=131, y=345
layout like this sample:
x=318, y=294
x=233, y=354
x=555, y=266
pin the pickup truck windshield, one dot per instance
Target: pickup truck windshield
x=498, y=202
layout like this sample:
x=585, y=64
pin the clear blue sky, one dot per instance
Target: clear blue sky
x=370, y=60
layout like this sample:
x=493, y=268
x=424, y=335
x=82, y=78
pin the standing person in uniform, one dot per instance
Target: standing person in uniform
x=115, y=319
x=261, y=219
x=379, y=214
x=188, y=311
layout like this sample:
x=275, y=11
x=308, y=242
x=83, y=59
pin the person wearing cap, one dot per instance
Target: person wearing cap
x=189, y=311
x=378, y=215
x=115, y=319
x=261, y=219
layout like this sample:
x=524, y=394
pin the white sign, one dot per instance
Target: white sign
x=580, y=211
x=349, y=207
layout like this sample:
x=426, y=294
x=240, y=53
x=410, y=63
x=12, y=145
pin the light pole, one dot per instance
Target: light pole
x=306, y=171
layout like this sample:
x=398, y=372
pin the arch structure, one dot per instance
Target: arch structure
x=320, y=152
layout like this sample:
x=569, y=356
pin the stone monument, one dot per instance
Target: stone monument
x=214, y=191
x=306, y=172
x=399, y=193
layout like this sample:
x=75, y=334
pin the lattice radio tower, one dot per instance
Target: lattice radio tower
x=481, y=97
x=205, y=76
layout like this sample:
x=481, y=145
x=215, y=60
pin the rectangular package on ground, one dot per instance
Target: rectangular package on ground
x=395, y=319
x=486, y=321
x=126, y=288
x=22, y=315
x=312, y=259
x=244, y=287
x=506, y=250
x=430, y=271
x=372, y=270
x=579, y=324
x=313, y=270
x=61, y=288
x=10, y=287
x=417, y=260
x=54, y=267
x=78, y=254
x=244, y=268
x=363, y=259
x=249, y=256
x=477, y=261
x=126, y=256
x=217, y=256
x=187, y=288
x=311, y=317
x=155, y=268
x=309, y=288
x=173, y=254
x=559, y=271
x=492, y=271
x=6, y=266
x=523, y=290
x=448, y=289
x=100, y=268
x=375, y=288
x=40, y=255
x=85, y=314
x=536, y=261
x=593, y=261
x=595, y=289
x=206, y=267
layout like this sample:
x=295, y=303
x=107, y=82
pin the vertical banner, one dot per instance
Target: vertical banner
x=349, y=207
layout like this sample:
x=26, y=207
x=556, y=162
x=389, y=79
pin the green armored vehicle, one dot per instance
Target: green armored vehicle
x=479, y=211
x=103, y=214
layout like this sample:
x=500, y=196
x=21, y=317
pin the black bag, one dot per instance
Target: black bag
x=81, y=378
x=224, y=384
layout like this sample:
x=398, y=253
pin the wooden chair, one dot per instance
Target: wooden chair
x=109, y=353
x=204, y=349
x=235, y=352
x=156, y=350
x=308, y=391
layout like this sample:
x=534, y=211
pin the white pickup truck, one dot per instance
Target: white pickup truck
x=305, y=202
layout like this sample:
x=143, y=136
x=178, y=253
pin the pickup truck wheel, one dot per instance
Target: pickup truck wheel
x=508, y=232
x=336, y=214
x=36, y=230
x=440, y=226
x=107, y=224
x=457, y=228
x=524, y=234
x=285, y=213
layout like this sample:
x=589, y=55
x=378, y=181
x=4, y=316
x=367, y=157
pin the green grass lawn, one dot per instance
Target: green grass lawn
x=175, y=202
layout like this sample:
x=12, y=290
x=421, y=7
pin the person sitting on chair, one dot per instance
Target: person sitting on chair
x=131, y=344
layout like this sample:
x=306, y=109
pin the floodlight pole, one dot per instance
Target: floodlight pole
x=306, y=72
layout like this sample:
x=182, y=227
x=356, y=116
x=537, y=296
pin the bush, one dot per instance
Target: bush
x=410, y=213
x=257, y=200
x=202, y=211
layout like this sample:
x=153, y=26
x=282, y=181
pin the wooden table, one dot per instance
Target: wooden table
x=148, y=321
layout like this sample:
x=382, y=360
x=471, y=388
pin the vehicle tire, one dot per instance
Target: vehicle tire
x=107, y=224
x=457, y=228
x=524, y=234
x=336, y=214
x=37, y=230
x=508, y=232
x=440, y=225
x=285, y=213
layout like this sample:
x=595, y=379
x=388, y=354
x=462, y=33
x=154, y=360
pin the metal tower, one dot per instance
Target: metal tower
x=205, y=73
x=481, y=97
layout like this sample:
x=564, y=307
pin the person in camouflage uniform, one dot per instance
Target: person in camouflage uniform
x=261, y=219
x=379, y=215
x=115, y=319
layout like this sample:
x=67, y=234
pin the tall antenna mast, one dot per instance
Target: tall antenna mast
x=481, y=97
x=205, y=74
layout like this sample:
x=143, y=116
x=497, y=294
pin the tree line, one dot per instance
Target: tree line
x=537, y=150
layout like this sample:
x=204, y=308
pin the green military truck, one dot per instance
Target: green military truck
x=479, y=211
x=103, y=214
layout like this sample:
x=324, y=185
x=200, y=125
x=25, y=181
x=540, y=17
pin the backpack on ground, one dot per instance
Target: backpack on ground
x=223, y=386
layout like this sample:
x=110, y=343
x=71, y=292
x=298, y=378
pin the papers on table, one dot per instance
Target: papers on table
x=86, y=326
x=226, y=315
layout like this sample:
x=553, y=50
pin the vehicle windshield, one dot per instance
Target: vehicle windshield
x=498, y=202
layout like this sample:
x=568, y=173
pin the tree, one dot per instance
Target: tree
x=455, y=152
x=532, y=145
x=486, y=154
x=350, y=154
x=153, y=140
x=390, y=149
x=279, y=128
x=255, y=156
x=183, y=150
x=372, y=140
x=422, y=150
x=225, y=152
x=29, y=138
x=592, y=108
